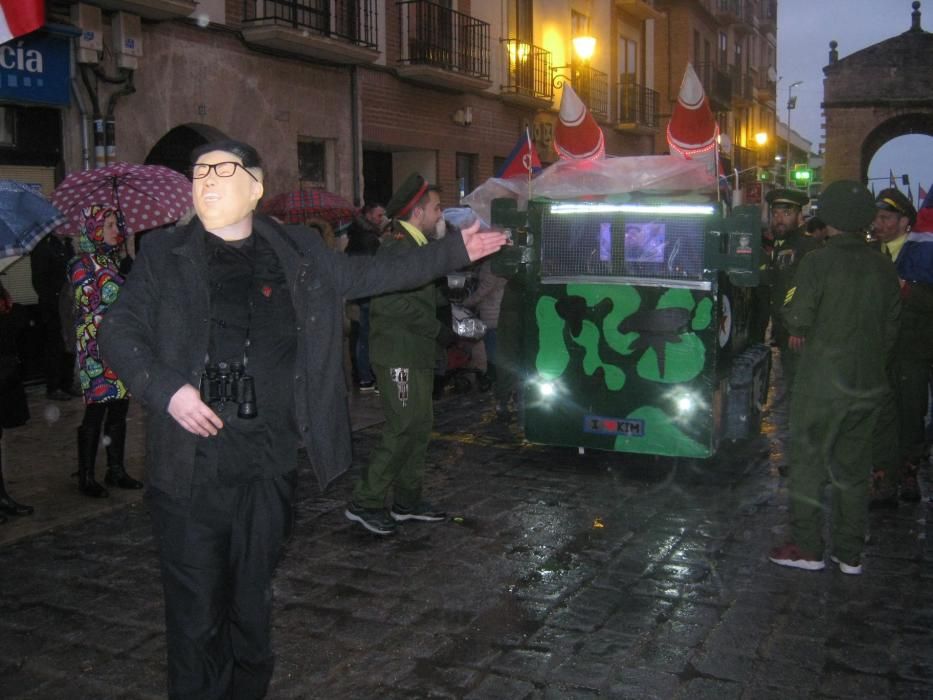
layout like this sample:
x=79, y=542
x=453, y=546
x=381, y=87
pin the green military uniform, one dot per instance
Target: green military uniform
x=402, y=337
x=846, y=307
x=899, y=441
x=786, y=254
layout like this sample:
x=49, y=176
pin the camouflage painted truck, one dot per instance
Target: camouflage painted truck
x=636, y=319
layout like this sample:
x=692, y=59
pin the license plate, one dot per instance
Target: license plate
x=601, y=425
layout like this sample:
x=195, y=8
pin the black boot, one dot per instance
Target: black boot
x=87, y=455
x=115, y=440
x=7, y=504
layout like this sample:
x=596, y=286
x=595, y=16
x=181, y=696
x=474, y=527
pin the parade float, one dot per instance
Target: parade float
x=636, y=285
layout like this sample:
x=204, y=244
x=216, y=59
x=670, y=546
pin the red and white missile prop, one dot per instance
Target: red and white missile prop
x=693, y=131
x=577, y=136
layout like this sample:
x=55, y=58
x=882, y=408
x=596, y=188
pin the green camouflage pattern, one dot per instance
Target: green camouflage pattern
x=622, y=353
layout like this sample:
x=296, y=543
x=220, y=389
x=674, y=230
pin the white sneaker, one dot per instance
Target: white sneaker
x=851, y=569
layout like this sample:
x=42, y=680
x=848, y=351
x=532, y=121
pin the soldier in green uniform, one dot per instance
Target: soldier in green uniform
x=791, y=244
x=899, y=443
x=843, y=320
x=402, y=337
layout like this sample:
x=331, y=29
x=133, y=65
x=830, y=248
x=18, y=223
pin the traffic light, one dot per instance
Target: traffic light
x=764, y=175
x=802, y=175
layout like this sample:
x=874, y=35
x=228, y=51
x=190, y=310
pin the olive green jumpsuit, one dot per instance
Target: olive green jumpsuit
x=847, y=307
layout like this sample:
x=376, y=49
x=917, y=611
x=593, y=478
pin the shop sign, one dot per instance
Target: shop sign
x=35, y=69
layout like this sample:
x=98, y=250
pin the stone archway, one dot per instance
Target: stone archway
x=875, y=95
x=900, y=125
x=174, y=149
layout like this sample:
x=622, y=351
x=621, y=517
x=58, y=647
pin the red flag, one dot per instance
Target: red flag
x=523, y=161
x=18, y=17
x=922, y=195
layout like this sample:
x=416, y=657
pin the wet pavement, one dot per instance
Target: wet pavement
x=558, y=575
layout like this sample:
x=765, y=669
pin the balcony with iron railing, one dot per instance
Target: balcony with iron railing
x=151, y=9
x=527, y=74
x=440, y=46
x=728, y=11
x=591, y=85
x=744, y=158
x=743, y=87
x=336, y=30
x=638, y=106
x=765, y=89
x=718, y=86
x=767, y=17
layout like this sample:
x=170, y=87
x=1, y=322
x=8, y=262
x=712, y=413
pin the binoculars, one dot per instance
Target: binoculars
x=223, y=382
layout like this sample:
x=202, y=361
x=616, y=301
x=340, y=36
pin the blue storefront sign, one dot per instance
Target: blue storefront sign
x=35, y=69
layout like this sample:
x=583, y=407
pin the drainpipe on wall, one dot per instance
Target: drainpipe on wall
x=82, y=111
x=100, y=159
x=355, y=136
x=110, y=123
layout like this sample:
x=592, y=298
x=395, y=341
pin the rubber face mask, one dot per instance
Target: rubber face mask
x=224, y=201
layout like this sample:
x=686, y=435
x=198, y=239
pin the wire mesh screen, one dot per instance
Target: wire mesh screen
x=663, y=243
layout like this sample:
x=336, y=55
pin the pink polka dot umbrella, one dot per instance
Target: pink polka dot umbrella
x=148, y=195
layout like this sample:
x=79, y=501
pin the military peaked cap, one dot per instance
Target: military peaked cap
x=892, y=199
x=846, y=205
x=787, y=198
x=406, y=196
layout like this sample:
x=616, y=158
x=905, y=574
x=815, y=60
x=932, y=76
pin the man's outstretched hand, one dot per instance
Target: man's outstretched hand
x=479, y=245
x=192, y=414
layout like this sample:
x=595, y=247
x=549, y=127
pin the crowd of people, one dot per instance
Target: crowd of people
x=853, y=328
x=242, y=336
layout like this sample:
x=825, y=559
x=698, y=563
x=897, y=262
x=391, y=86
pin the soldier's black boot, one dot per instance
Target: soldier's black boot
x=116, y=445
x=7, y=504
x=88, y=439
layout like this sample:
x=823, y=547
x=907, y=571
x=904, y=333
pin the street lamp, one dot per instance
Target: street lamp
x=791, y=104
x=584, y=47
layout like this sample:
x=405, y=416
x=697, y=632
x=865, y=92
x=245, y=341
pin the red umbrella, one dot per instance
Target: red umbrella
x=299, y=206
x=148, y=195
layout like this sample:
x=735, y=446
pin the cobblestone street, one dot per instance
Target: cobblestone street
x=558, y=576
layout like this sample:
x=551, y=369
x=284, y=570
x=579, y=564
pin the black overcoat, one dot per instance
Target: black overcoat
x=156, y=335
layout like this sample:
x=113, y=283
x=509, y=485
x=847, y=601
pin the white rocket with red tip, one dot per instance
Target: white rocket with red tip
x=577, y=136
x=693, y=131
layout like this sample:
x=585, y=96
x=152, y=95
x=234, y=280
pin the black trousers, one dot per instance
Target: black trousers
x=218, y=552
x=59, y=360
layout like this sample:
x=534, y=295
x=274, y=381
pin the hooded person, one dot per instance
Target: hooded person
x=96, y=281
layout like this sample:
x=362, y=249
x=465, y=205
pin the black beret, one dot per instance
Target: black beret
x=787, y=198
x=406, y=196
x=892, y=199
x=246, y=153
x=847, y=205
